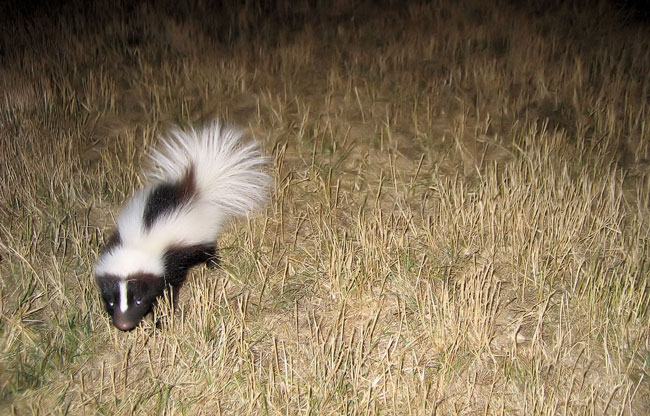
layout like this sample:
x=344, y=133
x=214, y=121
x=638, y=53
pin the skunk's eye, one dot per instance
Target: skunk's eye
x=110, y=303
x=138, y=301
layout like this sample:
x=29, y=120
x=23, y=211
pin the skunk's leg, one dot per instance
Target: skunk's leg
x=214, y=261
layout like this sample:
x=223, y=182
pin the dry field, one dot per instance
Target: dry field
x=460, y=221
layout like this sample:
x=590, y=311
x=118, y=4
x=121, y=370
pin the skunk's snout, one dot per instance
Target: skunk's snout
x=129, y=319
x=124, y=325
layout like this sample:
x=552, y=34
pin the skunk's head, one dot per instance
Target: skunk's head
x=131, y=280
x=128, y=300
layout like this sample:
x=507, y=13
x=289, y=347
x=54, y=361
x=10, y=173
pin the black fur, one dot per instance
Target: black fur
x=144, y=289
x=108, y=285
x=179, y=260
x=166, y=197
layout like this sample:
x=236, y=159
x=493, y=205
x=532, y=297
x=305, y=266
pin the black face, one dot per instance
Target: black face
x=129, y=301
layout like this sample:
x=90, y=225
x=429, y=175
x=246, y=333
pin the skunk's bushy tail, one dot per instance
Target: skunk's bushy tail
x=228, y=172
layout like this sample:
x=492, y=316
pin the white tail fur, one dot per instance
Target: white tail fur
x=229, y=172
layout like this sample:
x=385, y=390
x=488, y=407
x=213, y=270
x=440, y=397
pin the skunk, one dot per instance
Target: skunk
x=199, y=181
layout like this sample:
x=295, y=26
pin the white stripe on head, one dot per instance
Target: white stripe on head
x=123, y=301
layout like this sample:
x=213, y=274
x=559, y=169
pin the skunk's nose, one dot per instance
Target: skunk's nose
x=124, y=326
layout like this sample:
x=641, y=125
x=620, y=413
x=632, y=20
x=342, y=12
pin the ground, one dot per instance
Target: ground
x=459, y=224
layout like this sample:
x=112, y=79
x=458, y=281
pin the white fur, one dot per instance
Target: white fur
x=130, y=258
x=124, y=305
x=228, y=171
x=230, y=181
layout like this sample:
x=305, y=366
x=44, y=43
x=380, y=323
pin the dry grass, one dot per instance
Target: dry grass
x=460, y=223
